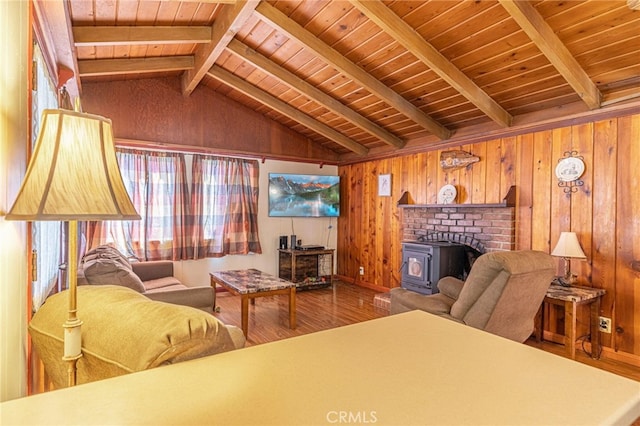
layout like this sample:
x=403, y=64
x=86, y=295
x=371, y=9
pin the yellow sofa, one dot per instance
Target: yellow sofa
x=124, y=332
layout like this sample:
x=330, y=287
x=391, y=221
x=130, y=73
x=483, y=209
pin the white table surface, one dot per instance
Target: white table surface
x=412, y=368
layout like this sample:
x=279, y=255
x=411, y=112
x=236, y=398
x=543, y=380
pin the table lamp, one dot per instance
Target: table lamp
x=568, y=247
x=73, y=175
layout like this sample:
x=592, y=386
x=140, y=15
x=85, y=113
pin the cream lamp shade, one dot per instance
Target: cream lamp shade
x=568, y=246
x=73, y=175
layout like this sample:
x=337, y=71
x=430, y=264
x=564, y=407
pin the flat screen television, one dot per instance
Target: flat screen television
x=298, y=195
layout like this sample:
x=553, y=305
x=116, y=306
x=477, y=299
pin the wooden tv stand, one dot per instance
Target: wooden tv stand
x=308, y=269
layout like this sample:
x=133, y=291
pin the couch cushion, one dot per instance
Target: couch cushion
x=165, y=283
x=105, y=265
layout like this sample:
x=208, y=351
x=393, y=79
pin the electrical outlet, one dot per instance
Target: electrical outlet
x=362, y=270
x=605, y=324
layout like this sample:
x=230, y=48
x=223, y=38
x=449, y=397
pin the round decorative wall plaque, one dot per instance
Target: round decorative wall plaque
x=447, y=194
x=569, y=169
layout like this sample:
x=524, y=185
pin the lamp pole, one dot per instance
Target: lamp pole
x=72, y=332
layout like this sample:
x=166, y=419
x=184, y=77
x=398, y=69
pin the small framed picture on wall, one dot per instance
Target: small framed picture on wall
x=384, y=185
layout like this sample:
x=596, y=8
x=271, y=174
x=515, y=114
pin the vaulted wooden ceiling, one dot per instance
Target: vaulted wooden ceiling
x=365, y=77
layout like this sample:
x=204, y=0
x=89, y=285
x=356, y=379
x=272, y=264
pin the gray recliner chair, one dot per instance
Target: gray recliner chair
x=501, y=295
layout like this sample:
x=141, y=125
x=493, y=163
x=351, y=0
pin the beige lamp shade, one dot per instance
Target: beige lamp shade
x=568, y=246
x=73, y=173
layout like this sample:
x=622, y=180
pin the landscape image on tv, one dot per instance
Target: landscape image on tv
x=294, y=195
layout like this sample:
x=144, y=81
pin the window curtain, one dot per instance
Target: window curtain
x=225, y=206
x=156, y=183
x=47, y=238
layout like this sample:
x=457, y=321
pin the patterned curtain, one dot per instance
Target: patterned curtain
x=156, y=183
x=225, y=206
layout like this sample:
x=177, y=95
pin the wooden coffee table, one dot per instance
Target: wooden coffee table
x=250, y=284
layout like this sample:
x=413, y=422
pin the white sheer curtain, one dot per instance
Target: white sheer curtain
x=47, y=236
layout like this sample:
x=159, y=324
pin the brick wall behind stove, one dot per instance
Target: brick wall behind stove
x=493, y=226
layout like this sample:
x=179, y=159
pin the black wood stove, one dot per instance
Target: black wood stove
x=424, y=263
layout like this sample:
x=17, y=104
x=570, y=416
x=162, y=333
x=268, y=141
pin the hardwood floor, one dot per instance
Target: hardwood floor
x=341, y=305
x=317, y=310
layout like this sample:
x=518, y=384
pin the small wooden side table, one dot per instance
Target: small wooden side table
x=571, y=298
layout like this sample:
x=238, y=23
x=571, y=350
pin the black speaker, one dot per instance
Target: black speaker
x=283, y=242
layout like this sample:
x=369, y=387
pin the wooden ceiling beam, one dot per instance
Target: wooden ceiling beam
x=308, y=90
x=283, y=108
x=404, y=34
x=230, y=20
x=119, y=36
x=200, y=1
x=543, y=36
x=134, y=66
x=334, y=58
x=53, y=32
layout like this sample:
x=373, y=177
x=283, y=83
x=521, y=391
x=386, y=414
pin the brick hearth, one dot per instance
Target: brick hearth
x=494, y=227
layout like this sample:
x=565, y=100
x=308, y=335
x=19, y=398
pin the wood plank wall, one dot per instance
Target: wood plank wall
x=604, y=212
x=159, y=114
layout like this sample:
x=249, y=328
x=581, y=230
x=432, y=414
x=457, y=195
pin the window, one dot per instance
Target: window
x=219, y=218
x=225, y=206
x=156, y=183
x=44, y=234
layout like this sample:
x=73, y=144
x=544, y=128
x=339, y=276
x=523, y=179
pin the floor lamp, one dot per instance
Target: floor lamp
x=73, y=175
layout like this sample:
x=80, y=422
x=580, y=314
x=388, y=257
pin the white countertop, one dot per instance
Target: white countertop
x=412, y=368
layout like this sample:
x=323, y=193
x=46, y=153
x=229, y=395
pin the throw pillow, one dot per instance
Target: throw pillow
x=105, y=265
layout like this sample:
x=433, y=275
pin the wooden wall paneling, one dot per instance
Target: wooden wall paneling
x=603, y=260
x=399, y=186
x=582, y=200
x=375, y=216
x=465, y=182
x=382, y=223
x=634, y=212
x=343, y=251
x=433, y=164
x=442, y=177
x=358, y=228
x=205, y=119
x=524, y=191
x=494, y=172
x=422, y=171
x=418, y=184
x=542, y=186
x=508, y=150
x=400, y=169
x=581, y=215
x=369, y=236
x=479, y=173
x=378, y=218
x=626, y=314
x=355, y=218
x=560, y=215
x=560, y=200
